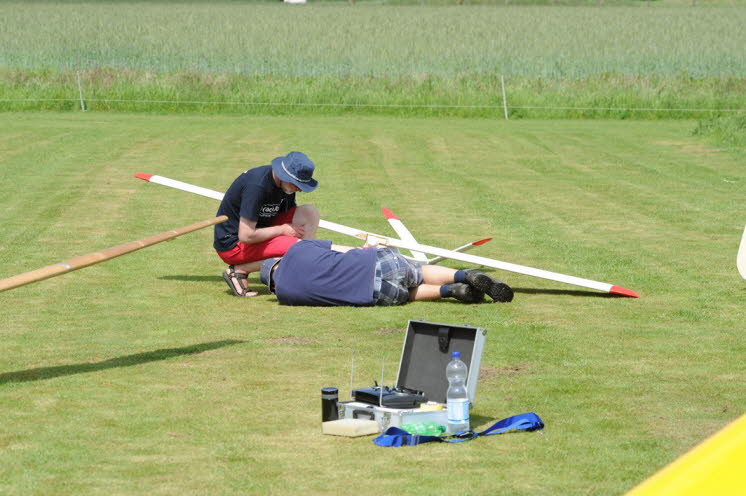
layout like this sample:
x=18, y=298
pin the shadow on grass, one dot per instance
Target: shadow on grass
x=569, y=292
x=192, y=278
x=43, y=373
x=480, y=423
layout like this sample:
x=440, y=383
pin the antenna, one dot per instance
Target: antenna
x=352, y=373
x=380, y=391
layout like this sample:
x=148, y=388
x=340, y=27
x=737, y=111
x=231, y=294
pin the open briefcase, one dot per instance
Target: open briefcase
x=426, y=352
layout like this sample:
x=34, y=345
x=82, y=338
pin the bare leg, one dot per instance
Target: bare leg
x=425, y=292
x=247, y=268
x=435, y=274
x=308, y=217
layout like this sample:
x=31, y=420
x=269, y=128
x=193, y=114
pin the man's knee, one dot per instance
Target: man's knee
x=307, y=215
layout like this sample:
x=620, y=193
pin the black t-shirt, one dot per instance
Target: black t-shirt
x=255, y=196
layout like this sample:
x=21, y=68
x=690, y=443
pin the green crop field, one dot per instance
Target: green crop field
x=229, y=56
x=374, y=41
x=143, y=375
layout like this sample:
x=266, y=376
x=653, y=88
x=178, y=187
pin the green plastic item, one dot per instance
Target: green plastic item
x=424, y=429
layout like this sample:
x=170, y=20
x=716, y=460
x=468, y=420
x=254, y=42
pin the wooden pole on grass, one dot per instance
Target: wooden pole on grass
x=101, y=256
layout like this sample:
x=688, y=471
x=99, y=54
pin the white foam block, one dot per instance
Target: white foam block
x=350, y=427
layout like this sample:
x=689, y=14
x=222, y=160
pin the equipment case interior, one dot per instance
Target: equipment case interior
x=426, y=352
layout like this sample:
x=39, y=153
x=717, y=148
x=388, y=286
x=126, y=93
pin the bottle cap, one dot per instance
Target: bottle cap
x=456, y=354
x=329, y=393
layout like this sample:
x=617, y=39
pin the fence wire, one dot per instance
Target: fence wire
x=368, y=105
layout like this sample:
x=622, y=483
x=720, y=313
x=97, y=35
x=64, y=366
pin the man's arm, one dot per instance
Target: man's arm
x=342, y=248
x=249, y=234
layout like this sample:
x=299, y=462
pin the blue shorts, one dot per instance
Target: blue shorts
x=395, y=276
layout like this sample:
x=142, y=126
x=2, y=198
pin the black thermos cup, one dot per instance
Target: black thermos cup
x=329, y=409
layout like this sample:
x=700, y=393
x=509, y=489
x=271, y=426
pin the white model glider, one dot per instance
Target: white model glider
x=741, y=258
x=375, y=240
x=378, y=240
x=405, y=235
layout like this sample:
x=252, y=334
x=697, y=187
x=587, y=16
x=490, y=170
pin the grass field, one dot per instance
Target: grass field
x=142, y=375
x=261, y=58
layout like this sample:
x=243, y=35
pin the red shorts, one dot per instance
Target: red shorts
x=275, y=247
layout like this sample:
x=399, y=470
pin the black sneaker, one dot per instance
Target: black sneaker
x=497, y=290
x=467, y=294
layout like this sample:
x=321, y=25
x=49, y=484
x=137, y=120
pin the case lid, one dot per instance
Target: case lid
x=427, y=351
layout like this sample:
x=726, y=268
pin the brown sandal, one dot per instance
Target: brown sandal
x=238, y=282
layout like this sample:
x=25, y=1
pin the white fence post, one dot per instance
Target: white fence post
x=505, y=100
x=80, y=93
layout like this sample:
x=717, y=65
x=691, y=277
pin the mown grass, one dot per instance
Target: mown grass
x=143, y=375
x=376, y=56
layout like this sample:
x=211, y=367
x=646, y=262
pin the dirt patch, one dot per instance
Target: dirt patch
x=487, y=373
x=291, y=340
x=387, y=331
x=688, y=147
x=513, y=370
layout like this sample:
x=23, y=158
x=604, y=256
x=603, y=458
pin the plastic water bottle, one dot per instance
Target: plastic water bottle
x=457, y=397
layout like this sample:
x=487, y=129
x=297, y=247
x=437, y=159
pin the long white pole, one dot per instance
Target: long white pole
x=377, y=239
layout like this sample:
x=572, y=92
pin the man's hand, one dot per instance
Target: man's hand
x=342, y=248
x=295, y=230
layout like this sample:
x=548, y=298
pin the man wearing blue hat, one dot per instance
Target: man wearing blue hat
x=263, y=218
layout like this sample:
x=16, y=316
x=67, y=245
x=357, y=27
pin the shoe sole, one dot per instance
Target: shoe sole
x=476, y=296
x=496, y=290
x=470, y=295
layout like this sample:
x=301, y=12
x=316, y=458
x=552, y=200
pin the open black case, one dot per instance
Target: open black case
x=422, y=367
x=427, y=350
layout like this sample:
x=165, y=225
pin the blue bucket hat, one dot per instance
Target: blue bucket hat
x=295, y=168
x=265, y=273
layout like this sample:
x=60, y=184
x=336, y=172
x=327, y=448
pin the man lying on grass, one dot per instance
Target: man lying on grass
x=317, y=273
